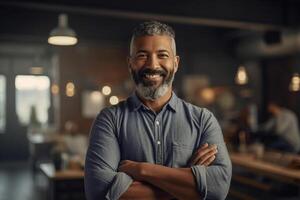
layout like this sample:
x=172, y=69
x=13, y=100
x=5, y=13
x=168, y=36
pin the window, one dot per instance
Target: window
x=2, y=103
x=32, y=95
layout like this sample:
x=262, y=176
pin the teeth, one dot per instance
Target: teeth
x=152, y=76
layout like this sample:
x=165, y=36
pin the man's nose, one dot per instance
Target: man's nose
x=152, y=62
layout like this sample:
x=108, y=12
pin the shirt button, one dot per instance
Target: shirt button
x=158, y=142
x=157, y=123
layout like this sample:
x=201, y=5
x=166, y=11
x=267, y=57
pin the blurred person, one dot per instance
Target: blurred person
x=154, y=145
x=281, y=130
x=75, y=142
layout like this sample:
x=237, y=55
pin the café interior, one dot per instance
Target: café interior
x=235, y=58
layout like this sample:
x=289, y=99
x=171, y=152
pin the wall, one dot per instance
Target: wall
x=89, y=67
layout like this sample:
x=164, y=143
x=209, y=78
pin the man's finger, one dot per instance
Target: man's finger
x=122, y=165
x=123, y=162
x=200, y=154
x=209, y=161
x=201, y=148
x=202, y=151
x=206, y=157
x=204, y=146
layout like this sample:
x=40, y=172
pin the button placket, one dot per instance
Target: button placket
x=159, y=153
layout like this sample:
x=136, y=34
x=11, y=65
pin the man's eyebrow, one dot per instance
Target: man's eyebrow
x=163, y=51
x=142, y=51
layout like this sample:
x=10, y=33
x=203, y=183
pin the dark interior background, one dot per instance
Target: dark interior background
x=213, y=39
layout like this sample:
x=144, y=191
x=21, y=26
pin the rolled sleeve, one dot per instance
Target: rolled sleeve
x=120, y=184
x=102, y=181
x=199, y=173
x=213, y=182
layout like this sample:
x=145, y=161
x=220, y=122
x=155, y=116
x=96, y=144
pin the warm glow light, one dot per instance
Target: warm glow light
x=32, y=82
x=295, y=83
x=62, y=40
x=241, y=77
x=70, y=86
x=113, y=100
x=62, y=35
x=106, y=90
x=208, y=95
x=54, y=89
x=70, y=89
x=70, y=93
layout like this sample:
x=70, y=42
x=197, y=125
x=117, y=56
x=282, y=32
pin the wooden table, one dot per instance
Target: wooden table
x=276, y=168
x=64, y=184
x=248, y=172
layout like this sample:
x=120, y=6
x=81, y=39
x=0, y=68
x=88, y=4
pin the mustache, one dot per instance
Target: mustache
x=149, y=71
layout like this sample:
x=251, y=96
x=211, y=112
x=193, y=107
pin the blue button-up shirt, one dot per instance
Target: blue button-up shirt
x=131, y=131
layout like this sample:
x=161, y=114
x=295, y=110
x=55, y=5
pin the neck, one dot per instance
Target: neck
x=157, y=104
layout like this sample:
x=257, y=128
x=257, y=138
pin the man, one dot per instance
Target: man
x=282, y=131
x=155, y=145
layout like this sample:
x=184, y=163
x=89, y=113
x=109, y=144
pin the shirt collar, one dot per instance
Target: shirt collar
x=173, y=102
x=135, y=103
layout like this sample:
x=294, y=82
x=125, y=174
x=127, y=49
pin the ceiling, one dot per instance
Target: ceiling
x=95, y=20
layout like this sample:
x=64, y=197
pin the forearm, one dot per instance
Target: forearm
x=144, y=191
x=179, y=182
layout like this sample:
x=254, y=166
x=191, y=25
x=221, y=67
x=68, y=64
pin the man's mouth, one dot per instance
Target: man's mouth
x=152, y=77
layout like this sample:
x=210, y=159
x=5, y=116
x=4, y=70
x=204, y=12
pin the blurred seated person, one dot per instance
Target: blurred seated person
x=75, y=143
x=281, y=131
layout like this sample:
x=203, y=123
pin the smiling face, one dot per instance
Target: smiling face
x=153, y=64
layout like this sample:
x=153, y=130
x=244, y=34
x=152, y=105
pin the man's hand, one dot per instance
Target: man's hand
x=205, y=155
x=132, y=168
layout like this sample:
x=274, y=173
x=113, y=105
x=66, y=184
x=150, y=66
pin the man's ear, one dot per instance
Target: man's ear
x=176, y=61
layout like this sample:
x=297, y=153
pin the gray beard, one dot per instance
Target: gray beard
x=152, y=93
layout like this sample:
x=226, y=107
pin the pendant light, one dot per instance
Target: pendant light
x=62, y=35
x=295, y=83
x=241, y=77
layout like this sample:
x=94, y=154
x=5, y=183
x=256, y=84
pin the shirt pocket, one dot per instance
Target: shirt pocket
x=181, y=155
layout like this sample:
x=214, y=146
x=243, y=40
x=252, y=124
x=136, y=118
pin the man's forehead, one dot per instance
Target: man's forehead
x=160, y=42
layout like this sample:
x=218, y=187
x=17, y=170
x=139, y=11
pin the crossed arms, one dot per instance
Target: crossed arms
x=107, y=178
x=177, y=182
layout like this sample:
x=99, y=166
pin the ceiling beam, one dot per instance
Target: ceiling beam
x=125, y=14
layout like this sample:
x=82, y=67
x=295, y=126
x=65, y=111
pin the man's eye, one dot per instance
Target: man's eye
x=141, y=56
x=163, y=55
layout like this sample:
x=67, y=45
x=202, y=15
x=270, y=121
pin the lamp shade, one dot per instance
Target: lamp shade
x=62, y=35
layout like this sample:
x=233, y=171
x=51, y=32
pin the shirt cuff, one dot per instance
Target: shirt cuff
x=119, y=185
x=200, y=176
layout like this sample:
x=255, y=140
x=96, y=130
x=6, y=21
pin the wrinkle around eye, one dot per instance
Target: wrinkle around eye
x=141, y=56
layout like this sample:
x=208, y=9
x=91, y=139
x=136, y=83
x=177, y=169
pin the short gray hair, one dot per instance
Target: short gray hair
x=153, y=28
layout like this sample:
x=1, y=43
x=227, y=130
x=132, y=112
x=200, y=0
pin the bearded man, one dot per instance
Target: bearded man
x=154, y=145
